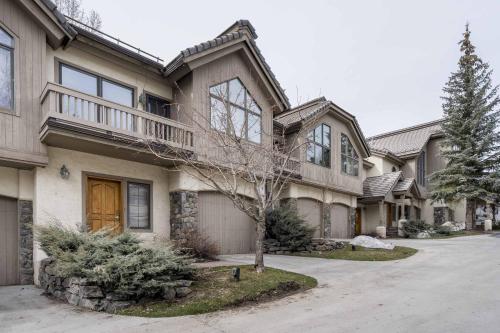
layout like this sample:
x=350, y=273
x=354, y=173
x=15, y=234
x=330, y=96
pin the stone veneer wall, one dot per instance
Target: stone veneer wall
x=25, y=215
x=442, y=215
x=327, y=221
x=183, y=214
x=352, y=221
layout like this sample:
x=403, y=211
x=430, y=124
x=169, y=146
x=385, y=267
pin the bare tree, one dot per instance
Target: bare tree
x=74, y=9
x=93, y=19
x=239, y=156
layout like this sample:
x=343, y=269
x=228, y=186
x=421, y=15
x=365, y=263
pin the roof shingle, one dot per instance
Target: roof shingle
x=380, y=186
x=406, y=141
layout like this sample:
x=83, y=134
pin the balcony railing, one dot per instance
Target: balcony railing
x=292, y=165
x=73, y=106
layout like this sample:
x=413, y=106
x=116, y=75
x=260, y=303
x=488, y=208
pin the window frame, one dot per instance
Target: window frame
x=149, y=185
x=228, y=104
x=13, y=110
x=344, y=155
x=321, y=145
x=421, y=168
x=148, y=94
x=99, y=81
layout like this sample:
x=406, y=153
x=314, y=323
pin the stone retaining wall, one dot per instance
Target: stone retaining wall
x=87, y=294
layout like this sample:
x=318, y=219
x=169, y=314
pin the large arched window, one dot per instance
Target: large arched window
x=349, y=157
x=233, y=110
x=6, y=70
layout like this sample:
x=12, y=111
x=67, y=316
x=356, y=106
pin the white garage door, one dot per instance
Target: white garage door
x=9, y=242
x=231, y=229
x=340, y=221
x=310, y=211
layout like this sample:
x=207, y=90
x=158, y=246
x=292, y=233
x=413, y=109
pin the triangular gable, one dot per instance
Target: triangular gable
x=317, y=108
x=238, y=37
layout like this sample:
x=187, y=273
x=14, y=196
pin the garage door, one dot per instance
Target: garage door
x=231, y=229
x=9, y=259
x=310, y=210
x=340, y=221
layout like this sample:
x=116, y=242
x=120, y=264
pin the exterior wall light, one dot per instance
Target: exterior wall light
x=64, y=172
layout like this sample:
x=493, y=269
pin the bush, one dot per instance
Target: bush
x=443, y=230
x=288, y=228
x=120, y=263
x=412, y=228
x=197, y=246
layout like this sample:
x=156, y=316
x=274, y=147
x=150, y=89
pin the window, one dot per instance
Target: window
x=421, y=169
x=138, y=206
x=6, y=70
x=94, y=85
x=319, y=145
x=158, y=106
x=349, y=157
x=233, y=110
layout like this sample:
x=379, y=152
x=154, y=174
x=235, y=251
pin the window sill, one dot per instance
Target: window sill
x=139, y=230
x=10, y=112
x=319, y=165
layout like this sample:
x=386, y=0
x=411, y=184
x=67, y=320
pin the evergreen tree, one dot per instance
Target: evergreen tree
x=471, y=138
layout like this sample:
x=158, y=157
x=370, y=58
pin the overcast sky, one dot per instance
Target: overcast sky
x=384, y=61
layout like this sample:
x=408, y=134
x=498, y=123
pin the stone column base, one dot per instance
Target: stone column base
x=183, y=214
x=381, y=231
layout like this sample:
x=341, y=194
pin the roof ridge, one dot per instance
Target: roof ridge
x=241, y=24
x=406, y=129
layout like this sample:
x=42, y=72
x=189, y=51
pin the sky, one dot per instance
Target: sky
x=386, y=62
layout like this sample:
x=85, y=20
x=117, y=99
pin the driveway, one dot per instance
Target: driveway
x=450, y=285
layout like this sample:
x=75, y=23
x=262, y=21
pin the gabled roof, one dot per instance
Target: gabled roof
x=406, y=142
x=380, y=186
x=59, y=17
x=387, y=154
x=316, y=108
x=241, y=29
x=403, y=185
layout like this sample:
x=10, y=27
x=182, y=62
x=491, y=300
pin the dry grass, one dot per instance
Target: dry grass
x=215, y=290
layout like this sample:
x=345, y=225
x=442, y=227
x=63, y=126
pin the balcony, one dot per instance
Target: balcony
x=75, y=120
x=291, y=165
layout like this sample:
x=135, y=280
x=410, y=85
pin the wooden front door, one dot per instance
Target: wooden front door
x=389, y=215
x=357, y=227
x=104, y=209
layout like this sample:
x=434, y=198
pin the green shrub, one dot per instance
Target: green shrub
x=116, y=262
x=412, y=228
x=443, y=230
x=288, y=228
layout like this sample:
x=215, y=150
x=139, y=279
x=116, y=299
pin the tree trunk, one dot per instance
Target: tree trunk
x=470, y=211
x=259, y=243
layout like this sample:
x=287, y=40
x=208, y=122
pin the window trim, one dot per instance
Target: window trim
x=100, y=78
x=16, y=91
x=348, y=157
x=227, y=103
x=314, y=143
x=127, y=183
